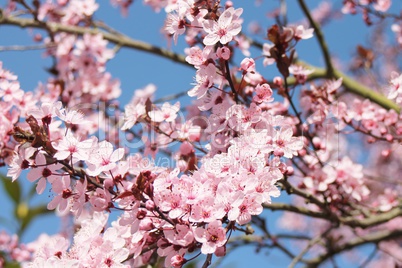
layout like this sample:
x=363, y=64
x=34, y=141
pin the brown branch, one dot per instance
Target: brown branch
x=118, y=39
x=320, y=38
x=24, y=48
x=350, y=84
x=356, y=242
x=373, y=220
x=296, y=209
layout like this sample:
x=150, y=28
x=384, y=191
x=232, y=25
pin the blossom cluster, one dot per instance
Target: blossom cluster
x=240, y=143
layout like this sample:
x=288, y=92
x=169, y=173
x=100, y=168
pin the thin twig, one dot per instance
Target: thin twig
x=312, y=242
x=24, y=48
x=320, y=38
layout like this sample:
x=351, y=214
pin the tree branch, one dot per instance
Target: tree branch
x=118, y=39
x=296, y=209
x=320, y=38
x=351, y=85
x=358, y=241
x=375, y=219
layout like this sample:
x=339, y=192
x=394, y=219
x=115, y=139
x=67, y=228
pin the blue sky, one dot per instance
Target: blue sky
x=136, y=69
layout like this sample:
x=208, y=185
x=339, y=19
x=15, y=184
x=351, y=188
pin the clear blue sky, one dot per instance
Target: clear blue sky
x=136, y=69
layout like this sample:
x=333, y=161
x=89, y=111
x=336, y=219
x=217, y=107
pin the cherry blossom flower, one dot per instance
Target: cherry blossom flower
x=42, y=171
x=20, y=162
x=224, y=29
x=175, y=25
x=266, y=51
x=285, y=144
x=71, y=117
x=70, y=146
x=103, y=158
x=131, y=115
x=6, y=74
x=63, y=190
x=10, y=91
x=212, y=237
x=205, y=79
x=395, y=88
x=301, y=33
x=166, y=113
x=263, y=93
x=300, y=73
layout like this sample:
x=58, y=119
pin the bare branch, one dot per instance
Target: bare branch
x=375, y=237
x=24, y=48
x=120, y=39
x=320, y=38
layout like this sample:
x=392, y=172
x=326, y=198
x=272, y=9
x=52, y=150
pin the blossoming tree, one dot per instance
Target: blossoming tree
x=245, y=138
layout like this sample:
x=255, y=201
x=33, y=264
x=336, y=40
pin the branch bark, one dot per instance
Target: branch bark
x=358, y=241
x=118, y=39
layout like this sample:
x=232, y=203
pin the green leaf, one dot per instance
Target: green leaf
x=12, y=265
x=13, y=189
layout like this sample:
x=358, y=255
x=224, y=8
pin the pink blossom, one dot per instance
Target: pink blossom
x=6, y=74
x=10, y=91
x=166, y=113
x=285, y=144
x=205, y=80
x=266, y=51
x=20, y=162
x=71, y=117
x=131, y=115
x=247, y=65
x=382, y=5
x=212, y=237
x=103, y=158
x=395, y=88
x=301, y=33
x=175, y=25
x=300, y=73
x=182, y=235
x=251, y=206
x=70, y=146
x=42, y=171
x=224, y=29
x=223, y=52
x=63, y=190
x=263, y=93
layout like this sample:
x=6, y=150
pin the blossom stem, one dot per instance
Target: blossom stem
x=236, y=97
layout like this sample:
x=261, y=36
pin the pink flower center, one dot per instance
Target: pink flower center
x=72, y=149
x=105, y=162
x=108, y=262
x=222, y=32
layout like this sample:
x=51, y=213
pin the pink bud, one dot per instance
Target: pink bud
x=247, y=65
x=290, y=171
x=278, y=81
x=386, y=153
x=223, y=53
x=178, y=261
x=150, y=205
x=279, y=152
x=228, y=4
x=317, y=143
x=220, y=251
